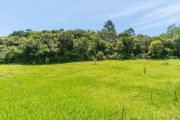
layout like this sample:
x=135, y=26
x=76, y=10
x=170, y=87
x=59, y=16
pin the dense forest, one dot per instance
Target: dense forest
x=57, y=46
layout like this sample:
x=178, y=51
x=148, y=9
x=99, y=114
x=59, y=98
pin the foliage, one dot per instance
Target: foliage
x=156, y=47
x=57, y=46
x=109, y=26
x=100, y=55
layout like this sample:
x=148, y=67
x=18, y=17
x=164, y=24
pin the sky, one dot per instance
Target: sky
x=148, y=17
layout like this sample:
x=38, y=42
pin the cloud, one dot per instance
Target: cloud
x=134, y=8
x=161, y=23
x=59, y=20
x=162, y=15
x=163, y=12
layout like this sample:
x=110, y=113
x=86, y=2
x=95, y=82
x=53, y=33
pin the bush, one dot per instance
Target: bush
x=116, y=56
x=146, y=56
x=100, y=55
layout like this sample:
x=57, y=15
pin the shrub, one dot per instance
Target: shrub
x=100, y=55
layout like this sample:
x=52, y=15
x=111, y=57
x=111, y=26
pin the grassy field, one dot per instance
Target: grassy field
x=82, y=91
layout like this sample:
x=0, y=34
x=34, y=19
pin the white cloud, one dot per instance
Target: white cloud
x=164, y=14
x=134, y=8
x=59, y=20
x=161, y=23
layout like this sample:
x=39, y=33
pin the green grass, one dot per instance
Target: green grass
x=82, y=91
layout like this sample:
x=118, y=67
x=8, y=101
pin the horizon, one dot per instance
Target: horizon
x=145, y=17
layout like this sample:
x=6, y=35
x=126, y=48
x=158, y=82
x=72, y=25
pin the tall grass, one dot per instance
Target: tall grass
x=83, y=90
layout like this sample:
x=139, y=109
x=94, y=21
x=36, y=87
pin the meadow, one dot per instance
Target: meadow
x=84, y=91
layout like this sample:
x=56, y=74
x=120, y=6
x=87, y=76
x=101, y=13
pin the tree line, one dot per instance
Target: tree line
x=57, y=46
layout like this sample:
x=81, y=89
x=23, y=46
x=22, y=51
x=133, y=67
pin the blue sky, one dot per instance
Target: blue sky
x=149, y=17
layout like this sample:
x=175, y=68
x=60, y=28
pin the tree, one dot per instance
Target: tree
x=156, y=48
x=141, y=44
x=80, y=48
x=108, y=32
x=109, y=26
x=130, y=32
x=176, y=44
x=128, y=43
x=13, y=55
x=19, y=33
x=127, y=33
x=3, y=50
x=171, y=40
x=109, y=49
x=30, y=51
x=119, y=46
x=100, y=55
x=107, y=35
x=171, y=30
x=66, y=40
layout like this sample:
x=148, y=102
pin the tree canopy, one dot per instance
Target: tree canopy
x=56, y=46
x=109, y=25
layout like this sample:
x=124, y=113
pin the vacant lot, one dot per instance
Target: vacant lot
x=83, y=90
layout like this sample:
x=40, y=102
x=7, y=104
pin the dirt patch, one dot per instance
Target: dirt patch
x=174, y=118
